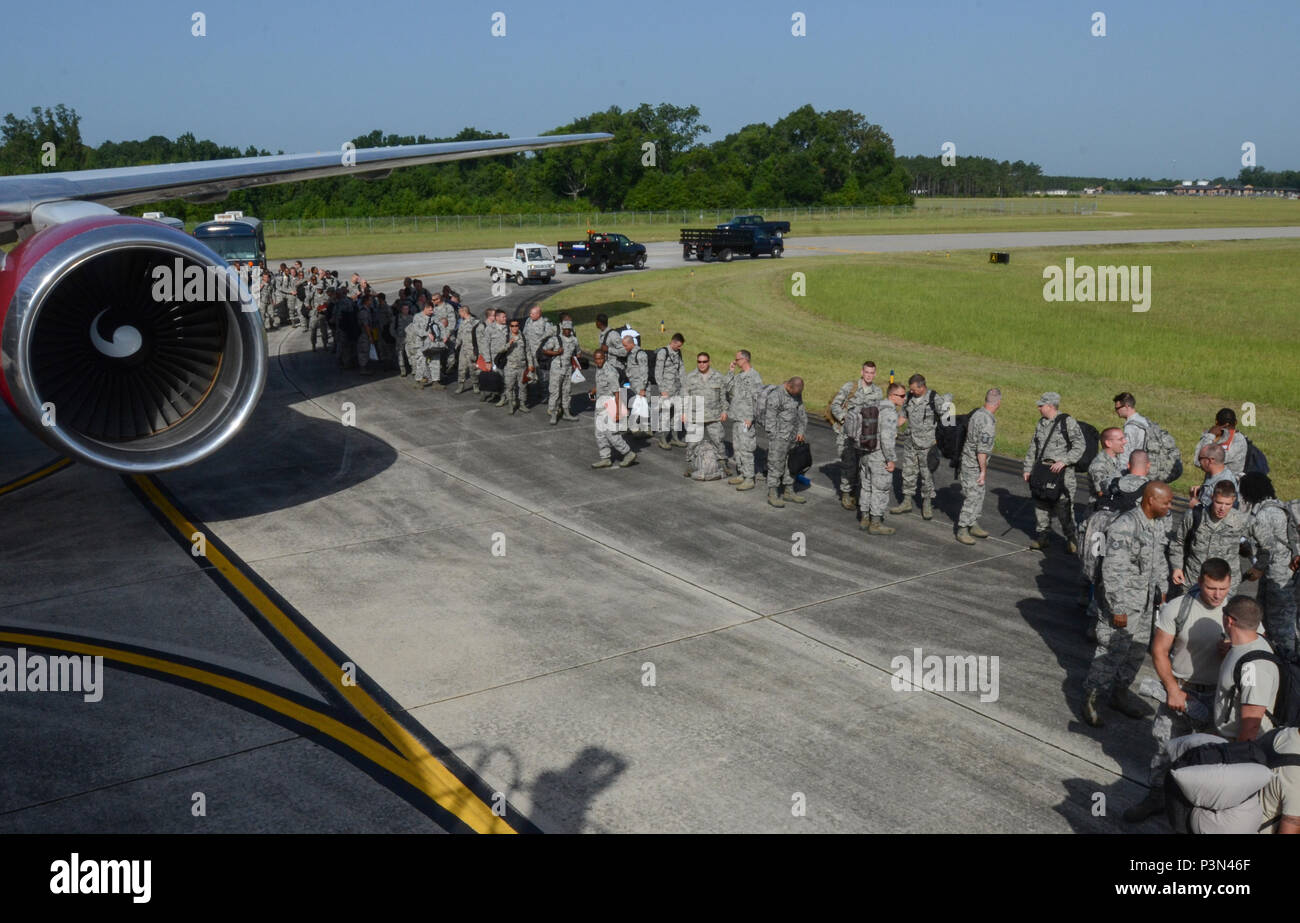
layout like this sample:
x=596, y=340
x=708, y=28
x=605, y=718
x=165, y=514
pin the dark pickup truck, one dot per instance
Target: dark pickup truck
x=771, y=228
x=601, y=252
x=723, y=243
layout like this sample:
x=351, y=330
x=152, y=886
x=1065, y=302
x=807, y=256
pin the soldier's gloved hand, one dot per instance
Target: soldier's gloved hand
x=1119, y=620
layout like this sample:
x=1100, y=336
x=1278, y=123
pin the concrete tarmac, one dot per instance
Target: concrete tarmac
x=617, y=650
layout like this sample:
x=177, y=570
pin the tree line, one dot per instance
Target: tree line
x=656, y=161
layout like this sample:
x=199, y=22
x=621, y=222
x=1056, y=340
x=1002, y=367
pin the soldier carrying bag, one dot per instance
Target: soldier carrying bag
x=1045, y=485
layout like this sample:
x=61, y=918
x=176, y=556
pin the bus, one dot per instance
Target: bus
x=238, y=239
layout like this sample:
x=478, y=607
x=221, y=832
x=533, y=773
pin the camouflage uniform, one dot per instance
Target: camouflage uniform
x=742, y=389
x=612, y=340
x=318, y=322
x=466, y=357
x=980, y=430
x=535, y=332
x=1206, y=495
x=283, y=291
x=921, y=421
x=607, y=391
x=784, y=421
x=400, y=323
x=516, y=365
x=852, y=394
x=561, y=385
x=705, y=402
x=266, y=303
x=1057, y=448
x=417, y=337
x=1134, y=577
x=1267, y=531
x=1103, y=469
x=345, y=343
x=669, y=371
x=638, y=379
x=877, y=481
x=1219, y=538
x=492, y=340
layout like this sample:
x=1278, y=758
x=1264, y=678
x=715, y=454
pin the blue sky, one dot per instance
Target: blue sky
x=1173, y=88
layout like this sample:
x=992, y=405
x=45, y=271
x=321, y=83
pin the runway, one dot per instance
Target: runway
x=536, y=646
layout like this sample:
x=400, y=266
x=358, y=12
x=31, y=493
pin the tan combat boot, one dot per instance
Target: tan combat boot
x=878, y=527
x=904, y=507
x=774, y=499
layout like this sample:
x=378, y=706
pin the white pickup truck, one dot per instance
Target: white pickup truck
x=530, y=261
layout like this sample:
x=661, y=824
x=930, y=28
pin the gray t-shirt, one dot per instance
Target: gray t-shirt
x=1257, y=689
x=1282, y=794
x=1195, y=651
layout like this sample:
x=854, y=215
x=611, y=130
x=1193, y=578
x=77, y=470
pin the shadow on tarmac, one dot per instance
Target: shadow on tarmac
x=561, y=798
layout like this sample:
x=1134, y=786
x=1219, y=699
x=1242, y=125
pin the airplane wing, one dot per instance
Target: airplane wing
x=121, y=187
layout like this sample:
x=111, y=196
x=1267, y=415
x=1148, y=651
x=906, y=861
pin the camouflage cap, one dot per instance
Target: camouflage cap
x=1050, y=397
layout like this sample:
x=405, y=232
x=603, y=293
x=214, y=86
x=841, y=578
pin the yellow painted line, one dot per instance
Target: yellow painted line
x=35, y=476
x=432, y=777
x=349, y=737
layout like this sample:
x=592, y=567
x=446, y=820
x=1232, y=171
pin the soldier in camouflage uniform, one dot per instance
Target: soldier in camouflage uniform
x=366, y=341
x=668, y=382
x=1105, y=467
x=418, y=335
x=853, y=394
x=1186, y=659
x=470, y=330
x=876, y=474
x=283, y=288
x=1274, y=552
x=1134, y=578
x=293, y=297
x=1132, y=483
x=785, y=422
x=921, y=411
x=266, y=300
x=605, y=394
x=516, y=367
x=705, y=405
x=536, y=329
x=638, y=381
x=742, y=389
x=1059, y=443
x=612, y=340
x=973, y=469
x=401, y=322
x=1219, y=535
x=561, y=348
x=492, y=340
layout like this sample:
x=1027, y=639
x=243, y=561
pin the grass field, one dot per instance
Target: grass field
x=1220, y=332
x=930, y=217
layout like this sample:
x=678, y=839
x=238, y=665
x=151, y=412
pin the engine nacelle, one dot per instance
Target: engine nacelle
x=105, y=363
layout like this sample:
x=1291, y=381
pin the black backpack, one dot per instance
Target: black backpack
x=1119, y=501
x=652, y=359
x=1256, y=460
x=951, y=438
x=1091, y=442
x=1178, y=808
x=1286, y=707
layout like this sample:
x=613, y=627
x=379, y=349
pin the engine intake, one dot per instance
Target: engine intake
x=104, y=362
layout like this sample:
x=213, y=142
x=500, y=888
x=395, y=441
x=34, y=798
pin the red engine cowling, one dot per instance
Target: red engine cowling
x=107, y=356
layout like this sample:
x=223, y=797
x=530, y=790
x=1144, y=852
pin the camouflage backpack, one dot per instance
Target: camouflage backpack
x=761, y=401
x=1166, y=460
x=1092, y=544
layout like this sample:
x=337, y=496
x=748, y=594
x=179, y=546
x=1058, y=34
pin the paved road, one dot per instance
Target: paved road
x=619, y=650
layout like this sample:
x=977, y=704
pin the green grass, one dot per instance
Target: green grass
x=930, y=216
x=1220, y=332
